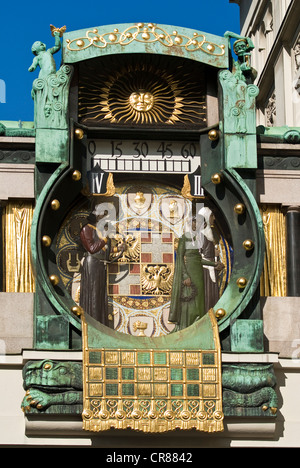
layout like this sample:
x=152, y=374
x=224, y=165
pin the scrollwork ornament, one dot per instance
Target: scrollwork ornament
x=57, y=106
x=169, y=415
x=136, y=414
x=252, y=90
x=146, y=33
x=235, y=111
x=202, y=415
x=104, y=414
x=66, y=69
x=185, y=415
x=218, y=415
x=62, y=78
x=152, y=414
x=120, y=414
x=53, y=81
x=95, y=403
x=38, y=84
x=87, y=414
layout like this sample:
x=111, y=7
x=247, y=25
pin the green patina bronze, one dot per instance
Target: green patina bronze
x=43, y=58
x=233, y=156
x=54, y=387
x=14, y=129
x=237, y=128
x=146, y=38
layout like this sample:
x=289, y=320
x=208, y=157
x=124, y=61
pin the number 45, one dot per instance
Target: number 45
x=165, y=150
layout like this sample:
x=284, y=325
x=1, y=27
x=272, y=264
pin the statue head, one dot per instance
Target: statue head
x=47, y=110
x=242, y=46
x=37, y=47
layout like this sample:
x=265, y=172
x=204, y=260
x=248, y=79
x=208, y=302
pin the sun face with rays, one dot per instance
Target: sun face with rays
x=141, y=100
x=141, y=94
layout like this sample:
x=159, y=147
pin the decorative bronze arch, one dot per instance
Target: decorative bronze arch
x=228, y=161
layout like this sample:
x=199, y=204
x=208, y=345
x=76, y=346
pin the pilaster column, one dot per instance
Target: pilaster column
x=293, y=250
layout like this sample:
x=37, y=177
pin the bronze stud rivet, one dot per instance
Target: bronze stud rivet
x=76, y=175
x=77, y=310
x=220, y=313
x=46, y=240
x=248, y=244
x=213, y=135
x=55, y=205
x=241, y=282
x=216, y=179
x=54, y=279
x=239, y=208
x=79, y=133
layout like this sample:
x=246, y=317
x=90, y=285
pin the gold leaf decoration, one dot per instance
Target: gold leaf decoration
x=147, y=34
x=142, y=91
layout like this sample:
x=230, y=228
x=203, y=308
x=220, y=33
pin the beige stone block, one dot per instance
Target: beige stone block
x=281, y=318
x=281, y=187
x=16, y=322
x=16, y=181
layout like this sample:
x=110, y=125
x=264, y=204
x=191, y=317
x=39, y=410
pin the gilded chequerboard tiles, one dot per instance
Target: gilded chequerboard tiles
x=95, y=390
x=95, y=373
x=144, y=390
x=127, y=357
x=176, y=358
x=150, y=373
x=160, y=390
x=209, y=374
x=144, y=373
x=160, y=373
x=152, y=389
x=192, y=359
x=111, y=357
x=209, y=391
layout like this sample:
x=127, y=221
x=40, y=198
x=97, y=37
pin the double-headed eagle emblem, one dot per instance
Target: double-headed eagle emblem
x=157, y=279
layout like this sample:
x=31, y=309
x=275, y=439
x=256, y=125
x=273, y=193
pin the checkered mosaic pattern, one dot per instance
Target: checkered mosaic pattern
x=125, y=276
x=159, y=374
x=153, y=391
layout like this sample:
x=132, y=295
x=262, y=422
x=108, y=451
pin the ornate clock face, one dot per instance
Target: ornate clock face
x=149, y=221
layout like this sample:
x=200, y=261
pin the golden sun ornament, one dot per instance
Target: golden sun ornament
x=141, y=93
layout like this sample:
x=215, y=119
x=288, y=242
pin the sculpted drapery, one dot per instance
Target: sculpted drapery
x=93, y=289
x=188, y=296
